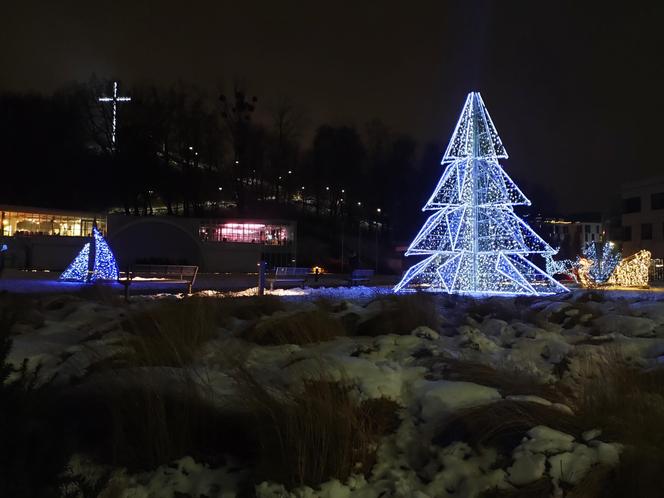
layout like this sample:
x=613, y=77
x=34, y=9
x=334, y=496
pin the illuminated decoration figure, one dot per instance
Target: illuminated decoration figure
x=474, y=242
x=583, y=269
x=114, y=99
x=78, y=269
x=559, y=267
x=104, y=266
x=632, y=271
x=604, y=259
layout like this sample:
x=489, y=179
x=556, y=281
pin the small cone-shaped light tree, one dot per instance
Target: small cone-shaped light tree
x=104, y=266
x=474, y=241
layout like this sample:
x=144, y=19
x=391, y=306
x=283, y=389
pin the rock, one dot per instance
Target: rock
x=546, y=440
x=425, y=332
x=591, y=434
x=529, y=398
x=493, y=326
x=563, y=408
x=630, y=326
x=528, y=467
x=474, y=339
x=571, y=467
x=443, y=397
x=608, y=454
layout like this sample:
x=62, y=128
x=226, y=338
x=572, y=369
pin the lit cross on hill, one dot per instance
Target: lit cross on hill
x=115, y=99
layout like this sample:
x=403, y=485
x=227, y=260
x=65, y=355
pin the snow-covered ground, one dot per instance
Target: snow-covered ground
x=548, y=339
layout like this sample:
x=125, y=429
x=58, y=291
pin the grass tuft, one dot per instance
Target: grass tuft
x=401, y=314
x=503, y=424
x=170, y=333
x=318, y=433
x=303, y=327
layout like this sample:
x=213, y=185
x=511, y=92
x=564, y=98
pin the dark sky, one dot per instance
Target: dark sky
x=574, y=88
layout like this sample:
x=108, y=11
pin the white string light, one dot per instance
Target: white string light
x=474, y=241
x=114, y=99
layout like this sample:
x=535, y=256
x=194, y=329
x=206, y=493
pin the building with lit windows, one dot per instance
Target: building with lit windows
x=570, y=236
x=215, y=245
x=643, y=216
x=39, y=238
x=48, y=239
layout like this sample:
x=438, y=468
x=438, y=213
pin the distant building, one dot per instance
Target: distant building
x=39, y=238
x=643, y=216
x=215, y=245
x=570, y=236
x=48, y=239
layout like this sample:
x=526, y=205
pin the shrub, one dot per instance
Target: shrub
x=503, y=424
x=628, y=405
x=33, y=452
x=400, y=314
x=170, y=333
x=315, y=434
x=508, y=381
x=302, y=327
x=152, y=422
x=246, y=308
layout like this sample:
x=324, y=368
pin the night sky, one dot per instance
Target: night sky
x=574, y=88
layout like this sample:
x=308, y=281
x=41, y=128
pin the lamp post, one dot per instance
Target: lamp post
x=359, y=233
x=378, y=211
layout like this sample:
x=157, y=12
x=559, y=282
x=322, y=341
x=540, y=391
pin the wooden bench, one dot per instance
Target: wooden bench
x=360, y=275
x=175, y=274
x=288, y=274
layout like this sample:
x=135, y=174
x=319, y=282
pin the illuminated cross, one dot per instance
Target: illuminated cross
x=115, y=99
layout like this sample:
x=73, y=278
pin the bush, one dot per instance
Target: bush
x=400, y=314
x=316, y=434
x=509, y=381
x=250, y=308
x=33, y=449
x=302, y=327
x=170, y=333
x=503, y=424
x=628, y=405
x=151, y=423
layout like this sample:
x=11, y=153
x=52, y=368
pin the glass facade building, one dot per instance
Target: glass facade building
x=270, y=234
x=17, y=221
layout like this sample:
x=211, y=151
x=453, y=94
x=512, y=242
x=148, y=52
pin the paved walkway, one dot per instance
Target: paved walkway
x=47, y=282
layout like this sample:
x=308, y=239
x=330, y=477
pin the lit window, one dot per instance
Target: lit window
x=247, y=233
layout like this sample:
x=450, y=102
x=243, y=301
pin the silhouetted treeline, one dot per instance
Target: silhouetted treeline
x=181, y=151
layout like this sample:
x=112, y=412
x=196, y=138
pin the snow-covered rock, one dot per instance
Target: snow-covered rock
x=527, y=467
x=443, y=397
x=630, y=326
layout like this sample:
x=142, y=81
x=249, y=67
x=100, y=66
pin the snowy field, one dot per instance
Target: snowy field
x=491, y=397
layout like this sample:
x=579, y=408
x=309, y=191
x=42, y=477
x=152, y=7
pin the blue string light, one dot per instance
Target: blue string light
x=604, y=260
x=78, y=269
x=105, y=267
x=474, y=241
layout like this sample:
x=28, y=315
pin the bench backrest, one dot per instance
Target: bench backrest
x=176, y=272
x=290, y=271
x=362, y=273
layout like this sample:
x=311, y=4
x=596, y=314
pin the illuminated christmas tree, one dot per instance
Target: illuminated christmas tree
x=78, y=269
x=474, y=242
x=104, y=266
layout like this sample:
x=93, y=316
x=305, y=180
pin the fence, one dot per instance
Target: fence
x=657, y=269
